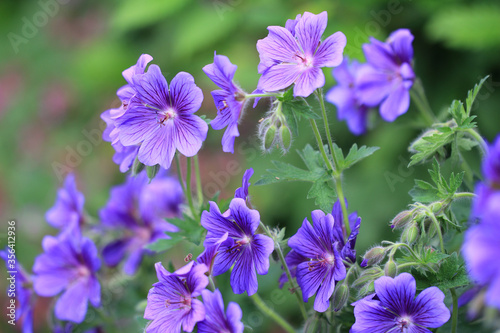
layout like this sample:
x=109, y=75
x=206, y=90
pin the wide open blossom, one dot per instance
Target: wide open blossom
x=161, y=118
x=318, y=243
x=295, y=54
x=172, y=302
x=68, y=265
x=249, y=252
x=394, y=308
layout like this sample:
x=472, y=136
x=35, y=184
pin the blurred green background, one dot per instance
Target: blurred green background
x=61, y=65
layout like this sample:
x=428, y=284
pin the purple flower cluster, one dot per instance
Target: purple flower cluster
x=68, y=208
x=173, y=304
x=394, y=308
x=155, y=120
x=384, y=81
x=23, y=290
x=69, y=265
x=137, y=209
x=295, y=54
x=481, y=243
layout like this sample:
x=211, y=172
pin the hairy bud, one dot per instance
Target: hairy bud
x=269, y=137
x=373, y=256
x=285, y=137
x=390, y=268
x=340, y=296
x=410, y=234
x=402, y=219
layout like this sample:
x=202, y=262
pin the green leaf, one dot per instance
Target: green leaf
x=324, y=195
x=355, y=155
x=424, y=192
x=206, y=119
x=300, y=109
x=471, y=95
x=316, y=173
x=163, y=244
x=451, y=274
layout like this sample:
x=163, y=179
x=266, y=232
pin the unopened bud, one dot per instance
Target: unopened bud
x=369, y=275
x=137, y=167
x=402, y=219
x=152, y=171
x=340, y=297
x=285, y=137
x=390, y=268
x=436, y=207
x=269, y=136
x=410, y=234
x=373, y=256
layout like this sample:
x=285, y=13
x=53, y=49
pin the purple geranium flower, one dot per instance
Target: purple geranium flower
x=172, y=302
x=480, y=250
x=345, y=244
x=23, y=291
x=295, y=54
x=138, y=210
x=345, y=96
x=207, y=257
x=394, y=308
x=161, y=118
x=242, y=192
x=388, y=76
x=320, y=245
x=243, y=248
x=124, y=155
x=70, y=263
x=68, y=208
x=215, y=318
x=229, y=101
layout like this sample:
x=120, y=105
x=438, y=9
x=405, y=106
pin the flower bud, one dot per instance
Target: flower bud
x=340, y=297
x=373, y=256
x=369, y=275
x=285, y=137
x=390, y=268
x=410, y=234
x=402, y=219
x=137, y=167
x=436, y=207
x=269, y=136
x=152, y=171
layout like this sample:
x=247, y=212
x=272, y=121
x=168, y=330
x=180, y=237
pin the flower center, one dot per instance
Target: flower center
x=239, y=244
x=166, y=115
x=143, y=233
x=82, y=271
x=304, y=60
x=324, y=260
x=403, y=323
x=183, y=302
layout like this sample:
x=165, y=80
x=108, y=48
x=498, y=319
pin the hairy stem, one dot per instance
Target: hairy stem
x=199, y=190
x=263, y=95
x=287, y=271
x=438, y=229
x=482, y=143
x=271, y=314
x=464, y=195
x=189, y=193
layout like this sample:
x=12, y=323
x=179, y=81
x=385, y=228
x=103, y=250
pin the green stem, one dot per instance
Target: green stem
x=287, y=271
x=417, y=94
x=211, y=283
x=438, y=229
x=320, y=145
x=319, y=94
x=340, y=194
x=179, y=173
x=454, y=318
x=263, y=95
x=464, y=195
x=482, y=143
x=189, y=193
x=271, y=314
x=199, y=190
x=406, y=264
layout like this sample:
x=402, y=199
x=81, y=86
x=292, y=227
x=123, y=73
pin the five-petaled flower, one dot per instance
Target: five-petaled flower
x=319, y=245
x=172, y=302
x=161, y=118
x=296, y=54
x=243, y=248
x=70, y=263
x=394, y=308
